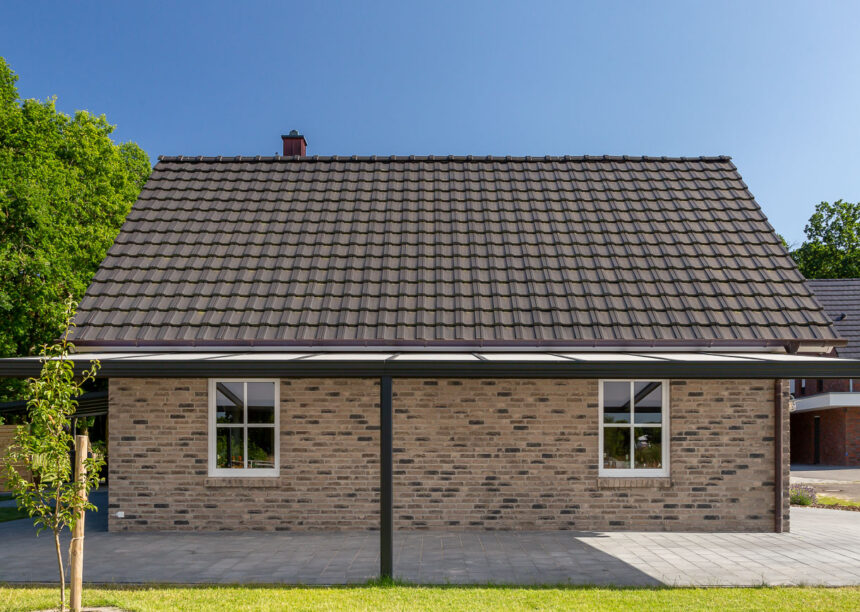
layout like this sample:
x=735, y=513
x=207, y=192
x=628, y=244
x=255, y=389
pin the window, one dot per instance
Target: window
x=634, y=428
x=243, y=427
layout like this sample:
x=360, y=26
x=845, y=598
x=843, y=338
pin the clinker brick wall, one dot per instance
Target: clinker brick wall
x=159, y=459
x=469, y=454
x=523, y=454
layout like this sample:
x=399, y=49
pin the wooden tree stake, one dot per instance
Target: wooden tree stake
x=76, y=550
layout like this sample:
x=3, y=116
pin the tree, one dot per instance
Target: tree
x=832, y=245
x=65, y=189
x=48, y=493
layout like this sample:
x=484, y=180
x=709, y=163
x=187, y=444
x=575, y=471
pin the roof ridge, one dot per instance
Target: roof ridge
x=422, y=158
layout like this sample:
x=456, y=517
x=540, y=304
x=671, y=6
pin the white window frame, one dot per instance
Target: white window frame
x=632, y=472
x=243, y=472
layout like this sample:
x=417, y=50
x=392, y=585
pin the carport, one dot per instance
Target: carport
x=474, y=364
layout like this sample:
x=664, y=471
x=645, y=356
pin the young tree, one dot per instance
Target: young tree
x=832, y=245
x=49, y=493
x=65, y=190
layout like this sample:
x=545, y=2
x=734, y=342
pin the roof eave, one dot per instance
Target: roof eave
x=786, y=345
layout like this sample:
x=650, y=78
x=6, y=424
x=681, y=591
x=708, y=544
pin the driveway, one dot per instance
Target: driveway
x=823, y=548
x=833, y=480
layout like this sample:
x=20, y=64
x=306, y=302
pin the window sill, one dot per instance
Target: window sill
x=624, y=482
x=252, y=482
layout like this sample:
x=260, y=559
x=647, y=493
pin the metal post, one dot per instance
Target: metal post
x=386, y=510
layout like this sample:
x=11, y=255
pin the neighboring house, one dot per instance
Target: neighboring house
x=310, y=343
x=7, y=435
x=90, y=405
x=825, y=422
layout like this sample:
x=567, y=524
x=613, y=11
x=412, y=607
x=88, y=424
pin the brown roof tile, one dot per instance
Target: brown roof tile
x=471, y=250
x=841, y=300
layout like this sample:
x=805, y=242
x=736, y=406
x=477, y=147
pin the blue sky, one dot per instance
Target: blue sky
x=776, y=85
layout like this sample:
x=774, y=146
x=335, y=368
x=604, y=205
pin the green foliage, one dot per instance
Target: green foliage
x=49, y=494
x=65, y=189
x=832, y=246
x=802, y=495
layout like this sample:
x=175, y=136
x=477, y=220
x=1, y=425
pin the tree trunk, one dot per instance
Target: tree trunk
x=76, y=547
x=62, y=573
x=57, y=528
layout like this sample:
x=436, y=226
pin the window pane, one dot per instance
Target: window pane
x=616, y=402
x=229, y=402
x=230, y=446
x=648, y=399
x=261, y=447
x=261, y=402
x=616, y=447
x=649, y=448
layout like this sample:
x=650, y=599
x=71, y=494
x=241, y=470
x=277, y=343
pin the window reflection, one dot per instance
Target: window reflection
x=230, y=402
x=648, y=402
x=261, y=447
x=244, y=426
x=230, y=448
x=261, y=402
x=616, y=448
x=632, y=432
x=648, y=452
x=616, y=402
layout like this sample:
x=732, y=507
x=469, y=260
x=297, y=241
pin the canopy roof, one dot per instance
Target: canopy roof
x=456, y=365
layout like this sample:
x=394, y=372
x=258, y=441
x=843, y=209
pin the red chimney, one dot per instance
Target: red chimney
x=295, y=144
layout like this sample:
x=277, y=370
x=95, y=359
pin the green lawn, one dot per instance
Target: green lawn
x=827, y=500
x=440, y=598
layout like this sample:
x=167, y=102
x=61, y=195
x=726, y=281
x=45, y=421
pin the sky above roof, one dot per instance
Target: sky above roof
x=773, y=84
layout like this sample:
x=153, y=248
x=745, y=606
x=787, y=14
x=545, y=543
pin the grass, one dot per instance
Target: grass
x=399, y=597
x=827, y=500
x=11, y=514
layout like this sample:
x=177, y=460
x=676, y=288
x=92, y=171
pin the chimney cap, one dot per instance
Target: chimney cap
x=292, y=134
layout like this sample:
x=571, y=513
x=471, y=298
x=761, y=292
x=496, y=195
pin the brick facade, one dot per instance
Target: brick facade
x=815, y=386
x=839, y=436
x=159, y=459
x=468, y=454
x=852, y=433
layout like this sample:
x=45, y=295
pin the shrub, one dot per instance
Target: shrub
x=802, y=496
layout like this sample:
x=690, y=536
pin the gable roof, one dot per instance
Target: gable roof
x=841, y=300
x=447, y=250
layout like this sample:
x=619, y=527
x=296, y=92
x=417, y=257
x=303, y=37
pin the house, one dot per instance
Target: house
x=349, y=343
x=825, y=422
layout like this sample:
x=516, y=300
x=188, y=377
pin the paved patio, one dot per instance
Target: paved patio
x=823, y=548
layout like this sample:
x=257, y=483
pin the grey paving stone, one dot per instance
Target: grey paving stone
x=823, y=548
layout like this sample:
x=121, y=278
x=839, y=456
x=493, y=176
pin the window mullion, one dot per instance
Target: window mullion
x=245, y=421
x=632, y=424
